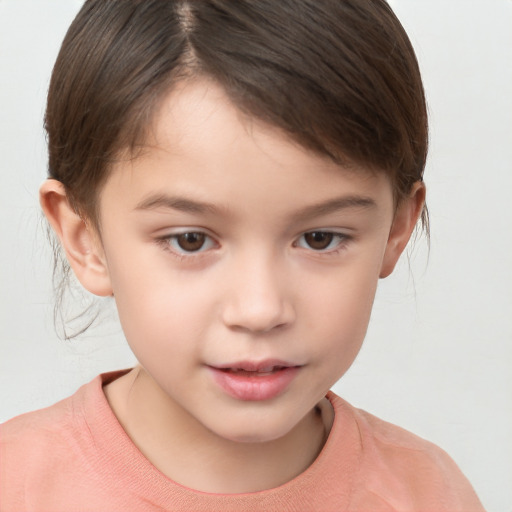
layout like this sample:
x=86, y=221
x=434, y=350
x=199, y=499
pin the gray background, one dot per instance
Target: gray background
x=439, y=349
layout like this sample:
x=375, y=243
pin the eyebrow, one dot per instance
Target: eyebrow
x=177, y=203
x=335, y=205
x=183, y=204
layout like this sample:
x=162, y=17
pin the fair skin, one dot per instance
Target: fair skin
x=278, y=273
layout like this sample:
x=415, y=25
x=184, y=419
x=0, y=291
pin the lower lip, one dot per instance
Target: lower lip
x=257, y=387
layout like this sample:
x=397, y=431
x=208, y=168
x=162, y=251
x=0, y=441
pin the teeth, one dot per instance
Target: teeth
x=268, y=369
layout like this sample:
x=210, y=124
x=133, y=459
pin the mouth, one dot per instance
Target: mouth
x=254, y=381
x=253, y=372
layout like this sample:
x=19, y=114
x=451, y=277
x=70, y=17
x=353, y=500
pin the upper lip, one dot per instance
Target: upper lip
x=255, y=366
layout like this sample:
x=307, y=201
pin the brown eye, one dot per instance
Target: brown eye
x=190, y=242
x=318, y=240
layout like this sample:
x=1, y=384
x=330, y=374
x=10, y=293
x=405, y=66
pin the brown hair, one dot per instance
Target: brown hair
x=339, y=76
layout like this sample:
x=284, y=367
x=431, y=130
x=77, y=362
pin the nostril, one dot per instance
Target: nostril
x=262, y=320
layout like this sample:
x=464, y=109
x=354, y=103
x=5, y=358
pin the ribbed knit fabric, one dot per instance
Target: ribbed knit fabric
x=76, y=457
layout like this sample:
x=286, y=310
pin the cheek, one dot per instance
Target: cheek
x=342, y=307
x=345, y=293
x=158, y=304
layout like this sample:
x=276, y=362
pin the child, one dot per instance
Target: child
x=238, y=175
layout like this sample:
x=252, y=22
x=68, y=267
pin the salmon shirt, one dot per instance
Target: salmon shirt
x=75, y=457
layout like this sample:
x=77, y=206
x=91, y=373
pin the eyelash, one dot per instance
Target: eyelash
x=171, y=244
x=341, y=239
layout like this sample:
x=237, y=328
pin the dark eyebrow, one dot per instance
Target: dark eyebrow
x=334, y=205
x=177, y=203
x=182, y=204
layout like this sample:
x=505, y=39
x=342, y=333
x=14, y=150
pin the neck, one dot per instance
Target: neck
x=191, y=455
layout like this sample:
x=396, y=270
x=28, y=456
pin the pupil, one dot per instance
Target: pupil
x=318, y=239
x=191, y=241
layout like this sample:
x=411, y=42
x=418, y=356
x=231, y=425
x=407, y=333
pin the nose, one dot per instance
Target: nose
x=258, y=300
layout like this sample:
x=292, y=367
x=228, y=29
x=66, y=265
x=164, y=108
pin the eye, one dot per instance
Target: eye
x=321, y=241
x=189, y=242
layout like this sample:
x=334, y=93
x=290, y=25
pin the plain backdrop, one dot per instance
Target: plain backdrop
x=438, y=355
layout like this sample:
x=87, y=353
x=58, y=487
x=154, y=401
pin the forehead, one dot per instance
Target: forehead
x=198, y=116
x=200, y=144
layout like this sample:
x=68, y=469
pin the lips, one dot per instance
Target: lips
x=266, y=366
x=254, y=381
x=253, y=373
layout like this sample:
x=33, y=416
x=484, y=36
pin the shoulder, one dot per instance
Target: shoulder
x=405, y=471
x=42, y=421
x=38, y=444
x=59, y=426
x=27, y=435
x=385, y=435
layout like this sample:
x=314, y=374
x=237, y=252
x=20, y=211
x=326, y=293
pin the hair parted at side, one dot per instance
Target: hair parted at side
x=339, y=76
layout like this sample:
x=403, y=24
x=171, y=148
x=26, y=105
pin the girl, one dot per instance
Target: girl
x=238, y=175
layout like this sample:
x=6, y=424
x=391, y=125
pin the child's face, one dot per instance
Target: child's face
x=279, y=269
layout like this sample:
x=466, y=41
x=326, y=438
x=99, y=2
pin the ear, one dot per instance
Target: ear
x=80, y=241
x=406, y=217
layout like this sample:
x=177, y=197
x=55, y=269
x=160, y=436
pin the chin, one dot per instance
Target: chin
x=254, y=432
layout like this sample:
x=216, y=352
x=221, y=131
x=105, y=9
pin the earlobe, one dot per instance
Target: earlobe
x=80, y=241
x=406, y=217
